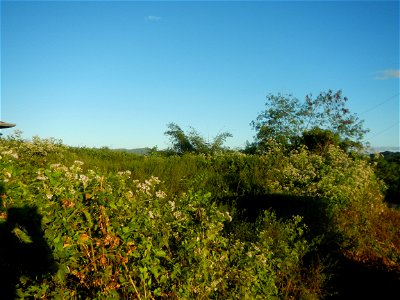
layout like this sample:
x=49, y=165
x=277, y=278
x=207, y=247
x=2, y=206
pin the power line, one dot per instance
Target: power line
x=379, y=104
x=386, y=129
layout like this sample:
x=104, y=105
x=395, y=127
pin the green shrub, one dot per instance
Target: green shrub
x=113, y=236
x=117, y=231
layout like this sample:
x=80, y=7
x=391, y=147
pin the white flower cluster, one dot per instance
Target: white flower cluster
x=7, y=175
x=160, y=194
x=148, y=187
x=125, y=174
x=70, y=180
x=10, y=154
x=172, y=203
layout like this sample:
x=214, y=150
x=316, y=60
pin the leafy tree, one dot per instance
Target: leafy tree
x=286, y=120
x=180, y=141
x=193, y=142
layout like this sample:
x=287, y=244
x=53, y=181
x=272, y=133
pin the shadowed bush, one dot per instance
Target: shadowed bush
x=25, y=257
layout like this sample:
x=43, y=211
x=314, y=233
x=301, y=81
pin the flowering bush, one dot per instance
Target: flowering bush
x=38, y=150
x=113, y=237
x=120, y=234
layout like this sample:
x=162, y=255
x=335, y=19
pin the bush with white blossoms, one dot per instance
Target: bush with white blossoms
x=37, y=150
x=114, y=236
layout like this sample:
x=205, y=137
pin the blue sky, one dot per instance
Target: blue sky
x=103, y=73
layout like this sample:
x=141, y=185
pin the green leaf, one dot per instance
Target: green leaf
x=160, y=253
x=88, y=218
x=157, y=292
x=62, y=271
x=22, y=235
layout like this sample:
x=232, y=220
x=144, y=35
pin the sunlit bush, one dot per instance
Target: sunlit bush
x=113, y=237
x=127, y=226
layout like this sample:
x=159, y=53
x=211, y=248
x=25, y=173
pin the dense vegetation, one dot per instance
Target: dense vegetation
x=79, y=223
x=299, y=214
x=388, y=169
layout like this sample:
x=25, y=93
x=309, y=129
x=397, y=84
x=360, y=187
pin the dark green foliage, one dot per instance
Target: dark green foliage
x=388, y=169
x=318, y=140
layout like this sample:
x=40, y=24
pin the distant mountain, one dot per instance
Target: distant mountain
x=140, y=151
x=389, y=155
x=384, y=149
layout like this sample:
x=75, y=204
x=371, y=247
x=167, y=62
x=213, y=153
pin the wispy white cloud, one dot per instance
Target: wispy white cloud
x=152, y=18
x=387, y=74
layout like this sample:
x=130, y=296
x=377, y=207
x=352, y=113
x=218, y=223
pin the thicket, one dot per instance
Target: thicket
x=388, y=169
x=79, y=223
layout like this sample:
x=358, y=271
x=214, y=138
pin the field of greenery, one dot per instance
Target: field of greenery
x=299, y=214
x=80, y=223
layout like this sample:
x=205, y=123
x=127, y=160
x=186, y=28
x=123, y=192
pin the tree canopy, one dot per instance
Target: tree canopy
x=289, y=121
x=193, y=142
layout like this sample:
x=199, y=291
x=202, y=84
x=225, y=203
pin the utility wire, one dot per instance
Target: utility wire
x=382, y=131
x=379, y=104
